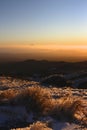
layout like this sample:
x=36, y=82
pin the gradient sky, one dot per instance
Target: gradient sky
x=43, y=22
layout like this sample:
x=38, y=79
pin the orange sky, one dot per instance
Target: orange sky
x=46, y=51
x=43, y=29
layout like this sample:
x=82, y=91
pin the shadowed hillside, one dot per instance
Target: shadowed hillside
x=42, y=68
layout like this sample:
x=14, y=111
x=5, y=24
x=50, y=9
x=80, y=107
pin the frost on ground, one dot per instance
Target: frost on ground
x=26, y=105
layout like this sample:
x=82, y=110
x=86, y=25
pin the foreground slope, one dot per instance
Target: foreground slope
x=28, y=105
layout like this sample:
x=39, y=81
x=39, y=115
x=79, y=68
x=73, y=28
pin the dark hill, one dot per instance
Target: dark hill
x=54, y=80
x=43, y=68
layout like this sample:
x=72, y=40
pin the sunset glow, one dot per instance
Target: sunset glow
x=51, y=30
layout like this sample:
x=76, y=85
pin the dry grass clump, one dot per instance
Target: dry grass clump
x=36, y=99
x=35, y=126
x=8, y=95
x=64, y=106
x=39, y=126
x=70, y=108
x=39, y=101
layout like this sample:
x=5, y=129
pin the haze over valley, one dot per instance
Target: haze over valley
x=43, y=52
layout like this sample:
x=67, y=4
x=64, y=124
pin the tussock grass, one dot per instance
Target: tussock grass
x=7, y=97
x=8, y=94
x=39, y=126
x=66, y=107
x=36, y=99
x=39, y=100
x=71, y=109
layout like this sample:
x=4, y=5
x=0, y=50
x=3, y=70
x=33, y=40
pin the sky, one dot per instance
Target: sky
x=40, y=25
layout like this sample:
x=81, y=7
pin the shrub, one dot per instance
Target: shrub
x=36, y=99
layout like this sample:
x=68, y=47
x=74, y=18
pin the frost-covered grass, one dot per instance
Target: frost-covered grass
x=59, y=104
x=39, y=100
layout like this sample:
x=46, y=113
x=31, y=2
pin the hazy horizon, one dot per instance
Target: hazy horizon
x=49, y=30
x=43, y=52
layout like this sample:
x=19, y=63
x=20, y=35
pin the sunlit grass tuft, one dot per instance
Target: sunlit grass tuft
x=40, y=101
x=39, y=126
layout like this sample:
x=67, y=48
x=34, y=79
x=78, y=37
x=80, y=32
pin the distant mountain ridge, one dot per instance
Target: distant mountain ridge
x=40, y=67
